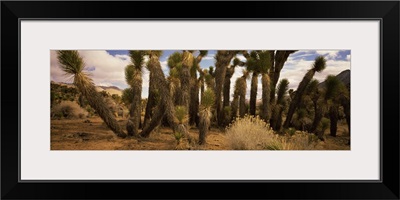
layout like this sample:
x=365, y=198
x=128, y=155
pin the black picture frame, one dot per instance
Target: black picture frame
x=386, y=11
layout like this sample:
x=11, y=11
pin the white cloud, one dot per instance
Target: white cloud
x=331, y=54
x=348, y=57
x=109, y=69
x=123, y=57
x=296, y=70
x=209, y=57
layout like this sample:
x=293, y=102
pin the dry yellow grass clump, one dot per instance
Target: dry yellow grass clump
x=252, y=133
x=249, y=133
x=298, y=141
x=68, y=110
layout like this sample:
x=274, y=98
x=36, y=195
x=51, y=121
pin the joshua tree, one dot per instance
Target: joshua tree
x=279, y=107
x=187, y=62
x=332, y=89
x=209, y=78
x=318, y=66
x=265, y=64
x=152, y=100
x=207, y=101
x=278, y=59
x=235, y=101
x=241, y=88
x=165, y=106
x=181, y=119
x=227, y=85
x=175, y=74
x=72, y=64
x=194, y=88
x=344, y=99
x=337, y=93
x=253, y=66
x=226, y=90
x=133, y=76
x=223, y=58
x=259, y=62
x=127, y=96
x=201, y=80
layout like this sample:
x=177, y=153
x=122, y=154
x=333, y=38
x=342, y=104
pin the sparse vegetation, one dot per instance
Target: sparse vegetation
x=297, y=141
x=187, y=102
x=68, y=110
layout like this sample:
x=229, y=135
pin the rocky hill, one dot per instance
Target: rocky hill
x=343, y=76
x=110, y=89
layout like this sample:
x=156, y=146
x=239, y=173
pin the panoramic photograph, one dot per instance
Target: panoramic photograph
x=200, y=99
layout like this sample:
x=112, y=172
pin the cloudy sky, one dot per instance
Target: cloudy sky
x=107, y=67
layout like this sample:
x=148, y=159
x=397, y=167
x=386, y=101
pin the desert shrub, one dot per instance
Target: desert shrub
x=298, y=141
x=68, y=110
x=248, y=133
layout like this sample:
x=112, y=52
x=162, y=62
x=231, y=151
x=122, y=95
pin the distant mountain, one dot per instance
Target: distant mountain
x=110, y=89
x=343, y=76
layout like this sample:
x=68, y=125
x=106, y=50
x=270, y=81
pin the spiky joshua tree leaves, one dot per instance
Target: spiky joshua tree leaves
x=207, y=101
x=318, y=66
x=72, y=64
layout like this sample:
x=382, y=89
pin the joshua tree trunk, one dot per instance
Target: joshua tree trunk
x=278, y=123
x=253, y=93
x=279, y=59
x=204, y=125
x=223, y=59
x=234, y=104
x=266, y=89
x=135, y=111
x=73, y=64
x=317, y=119
x=333, y=115
x=202, y=89
x=345, y=102
x=151, y=101
x=81, y=101
x=194, y=103
x=165, y=105
x=242, y=98
x=194, y=90
x=227, y=85
x=187, y=62
x=96, y=101
x=297, y=97
x=274, y=116
x=318, y=65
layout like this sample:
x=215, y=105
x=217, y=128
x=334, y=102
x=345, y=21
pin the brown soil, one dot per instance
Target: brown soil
x=93, y=134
